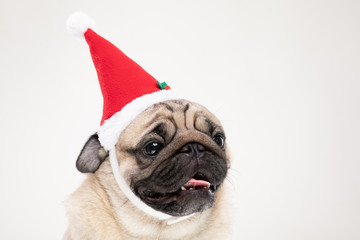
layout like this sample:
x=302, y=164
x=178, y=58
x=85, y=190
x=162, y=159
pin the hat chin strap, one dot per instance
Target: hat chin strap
x=136, y=200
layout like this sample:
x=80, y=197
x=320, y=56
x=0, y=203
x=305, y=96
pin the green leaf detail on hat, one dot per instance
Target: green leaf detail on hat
x=162, y=85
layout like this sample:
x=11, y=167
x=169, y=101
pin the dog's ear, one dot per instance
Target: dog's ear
x=91, y=156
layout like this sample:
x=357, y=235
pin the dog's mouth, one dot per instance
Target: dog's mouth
x=194, y=187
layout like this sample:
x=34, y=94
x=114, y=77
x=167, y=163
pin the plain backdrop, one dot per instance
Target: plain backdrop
x=283, y=76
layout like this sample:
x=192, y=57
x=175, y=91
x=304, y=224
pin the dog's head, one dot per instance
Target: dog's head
x=172, y=156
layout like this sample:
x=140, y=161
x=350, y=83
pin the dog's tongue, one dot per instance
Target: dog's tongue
x=193, y=183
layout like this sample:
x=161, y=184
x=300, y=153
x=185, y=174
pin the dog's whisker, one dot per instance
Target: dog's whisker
x=234, y=170
x=232, y=176
x=229, y=180
x=126, y=201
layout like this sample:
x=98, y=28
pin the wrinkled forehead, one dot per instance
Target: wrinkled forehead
x=172, y=115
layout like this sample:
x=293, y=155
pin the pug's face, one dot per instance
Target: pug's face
x=173, y=157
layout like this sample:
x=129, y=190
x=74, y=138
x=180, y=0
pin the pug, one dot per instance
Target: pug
x=173, y=159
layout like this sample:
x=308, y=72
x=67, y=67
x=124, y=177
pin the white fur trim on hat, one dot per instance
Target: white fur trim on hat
x=111, y=129
x=78, y=23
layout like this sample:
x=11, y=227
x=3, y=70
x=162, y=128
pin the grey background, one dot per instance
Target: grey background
x=283, y=76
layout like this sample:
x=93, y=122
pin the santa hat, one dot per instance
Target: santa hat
x=127, y=91
x=127, y=88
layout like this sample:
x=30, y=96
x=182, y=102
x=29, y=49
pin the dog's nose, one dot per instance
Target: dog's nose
x=193, y=148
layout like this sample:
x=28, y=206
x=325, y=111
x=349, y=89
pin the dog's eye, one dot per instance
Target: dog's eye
x=219, y=140
x=153, y=148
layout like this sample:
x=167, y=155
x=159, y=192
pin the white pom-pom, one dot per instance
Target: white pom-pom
x=78, y=23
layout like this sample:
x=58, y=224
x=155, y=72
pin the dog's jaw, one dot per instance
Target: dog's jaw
x=136, y=201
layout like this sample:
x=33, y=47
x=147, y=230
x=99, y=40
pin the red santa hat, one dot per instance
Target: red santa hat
x=127, y=91
x=127, y=88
